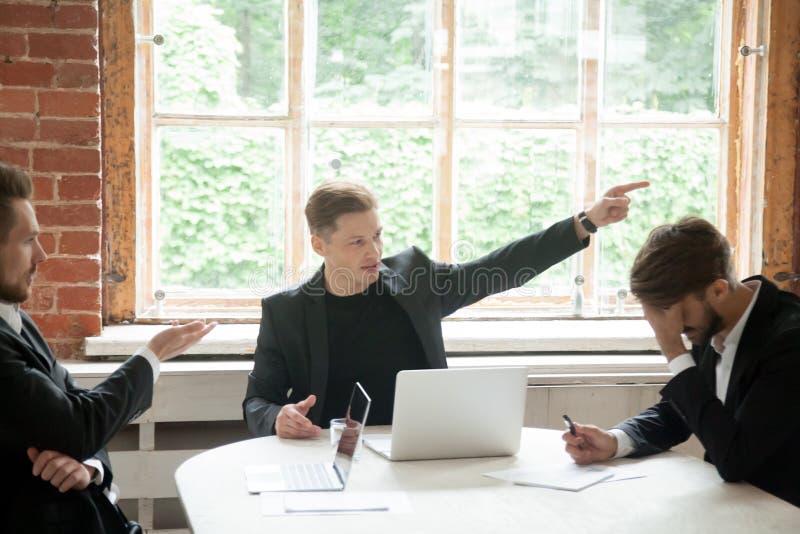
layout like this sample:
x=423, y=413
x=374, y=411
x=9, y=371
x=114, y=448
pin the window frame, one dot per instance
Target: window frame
x=122, y=292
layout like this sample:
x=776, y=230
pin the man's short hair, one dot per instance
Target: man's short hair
x=14, y=184
x=680, y=259
x=331, y=200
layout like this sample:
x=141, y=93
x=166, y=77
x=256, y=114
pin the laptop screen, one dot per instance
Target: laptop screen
x=356, y=420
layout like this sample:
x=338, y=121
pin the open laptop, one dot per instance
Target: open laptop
x=318, y=476
x=455, y=413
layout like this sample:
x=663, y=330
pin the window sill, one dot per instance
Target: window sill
x=543, y=370
x=461, y=338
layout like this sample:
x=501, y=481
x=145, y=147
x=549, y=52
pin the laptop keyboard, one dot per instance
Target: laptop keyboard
x=307, y=476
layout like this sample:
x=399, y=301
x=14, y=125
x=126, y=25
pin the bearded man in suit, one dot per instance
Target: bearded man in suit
x=57, y=476
x=736, y=389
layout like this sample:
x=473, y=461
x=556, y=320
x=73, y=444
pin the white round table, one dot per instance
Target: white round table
x=679, y=494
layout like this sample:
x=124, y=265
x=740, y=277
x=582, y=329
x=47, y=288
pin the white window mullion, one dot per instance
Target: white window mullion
x=296, y=135
x=589, y=142
x=444, y=108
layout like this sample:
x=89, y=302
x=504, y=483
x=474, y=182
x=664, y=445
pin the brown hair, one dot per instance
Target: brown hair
x=333, y=199
x=680, y=259
x=14, y=184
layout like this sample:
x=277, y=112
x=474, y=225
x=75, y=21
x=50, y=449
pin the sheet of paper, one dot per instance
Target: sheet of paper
x=266, y=477
x=567, y=476
x=625, y=472
x=334, y=502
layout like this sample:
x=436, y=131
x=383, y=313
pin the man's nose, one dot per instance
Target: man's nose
x=40, y=255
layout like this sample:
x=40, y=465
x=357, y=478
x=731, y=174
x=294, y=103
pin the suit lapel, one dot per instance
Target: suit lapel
x=317, y=335
x=398, y=288
x=747, y=353
x=36, y=350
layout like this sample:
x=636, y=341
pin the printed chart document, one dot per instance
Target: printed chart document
x=567, y=476
x=330, y=502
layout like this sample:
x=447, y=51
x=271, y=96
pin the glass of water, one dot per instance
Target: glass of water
x=340, y=428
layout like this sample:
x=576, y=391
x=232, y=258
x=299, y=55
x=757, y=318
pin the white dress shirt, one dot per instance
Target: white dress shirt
x=10, y=313
x=725, y=346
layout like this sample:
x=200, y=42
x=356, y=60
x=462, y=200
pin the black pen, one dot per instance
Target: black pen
x=570, y=424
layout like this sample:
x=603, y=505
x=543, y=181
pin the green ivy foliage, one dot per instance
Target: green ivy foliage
x=511, y=183
x=222, y=214
x=681, y=166
x=675, y=71
x=397, y=165
x=523, y=59
x=220, y=56
x=373, y=53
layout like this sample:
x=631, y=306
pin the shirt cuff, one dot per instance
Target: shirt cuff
x=99, y=473
x=624, y=443
x=151, y=357
x=680, y=363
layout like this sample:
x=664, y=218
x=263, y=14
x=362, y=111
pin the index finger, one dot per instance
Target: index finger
x=205, y=330
x=570, y=439
x=673, y=311
x=42, y=460
x=620, y=190
x=33, y=453
x=298, y=418
x=648, y=311
x=194, y=326
x=653, y=311
x=195, y=331
x=293, y=430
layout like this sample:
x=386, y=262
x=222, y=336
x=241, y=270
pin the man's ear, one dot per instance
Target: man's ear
x=318, y=244
x=718, y=290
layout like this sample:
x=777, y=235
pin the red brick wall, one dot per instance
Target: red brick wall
x=50, y=125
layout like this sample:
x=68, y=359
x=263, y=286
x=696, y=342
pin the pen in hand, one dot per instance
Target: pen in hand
x=570, y=424
x=571, y=427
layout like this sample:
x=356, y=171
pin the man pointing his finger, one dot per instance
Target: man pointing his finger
x=364, y=318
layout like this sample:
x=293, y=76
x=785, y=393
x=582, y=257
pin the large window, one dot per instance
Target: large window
x=474, y=121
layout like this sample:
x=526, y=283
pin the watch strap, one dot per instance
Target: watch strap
x=586, y=223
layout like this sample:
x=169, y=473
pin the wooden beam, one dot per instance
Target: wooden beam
x=795, y=286
x=736, y=131
x=117, y=48
x=147, y=201
x=781, y=158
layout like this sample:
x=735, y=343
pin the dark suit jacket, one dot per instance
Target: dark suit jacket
x=291, y=359
x=42, y=407
x=754, y=436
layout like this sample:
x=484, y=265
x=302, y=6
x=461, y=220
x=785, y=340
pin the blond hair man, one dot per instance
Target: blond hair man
x=365, y=317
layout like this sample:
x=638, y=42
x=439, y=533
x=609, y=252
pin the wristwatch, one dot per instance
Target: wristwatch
x=586, y=223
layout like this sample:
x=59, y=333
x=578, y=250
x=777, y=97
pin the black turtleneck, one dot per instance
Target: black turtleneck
x=370, y=339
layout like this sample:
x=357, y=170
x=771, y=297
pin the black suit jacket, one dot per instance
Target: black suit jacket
x=754, y=436
x=291, y=358
x=43, y=408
